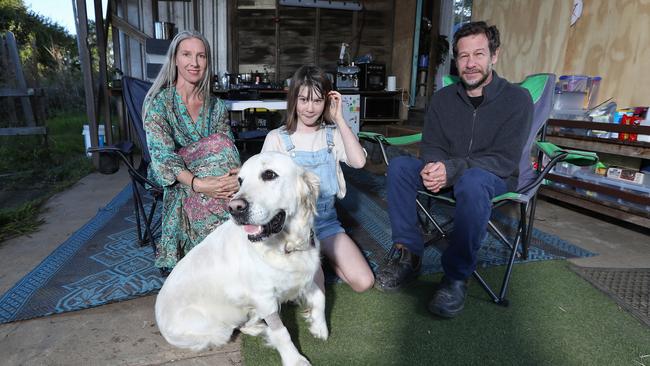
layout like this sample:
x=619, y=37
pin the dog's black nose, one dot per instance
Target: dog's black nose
x=237, y=206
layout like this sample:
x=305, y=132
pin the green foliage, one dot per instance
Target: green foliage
x=22, y=220
x=36, y=171
x=49, y=58
x=41, y=41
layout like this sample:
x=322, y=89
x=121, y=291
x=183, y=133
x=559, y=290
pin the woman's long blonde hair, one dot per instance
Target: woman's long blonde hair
x=168, y=73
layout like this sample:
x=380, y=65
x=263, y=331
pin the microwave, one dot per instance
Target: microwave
x=380, y=108
x=372, y=77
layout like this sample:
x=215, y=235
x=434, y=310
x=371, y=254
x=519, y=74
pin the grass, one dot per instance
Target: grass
x=33, y=171
x=554, y=318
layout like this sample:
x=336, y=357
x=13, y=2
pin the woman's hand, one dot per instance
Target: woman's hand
x=222, y=187
x=335, y=112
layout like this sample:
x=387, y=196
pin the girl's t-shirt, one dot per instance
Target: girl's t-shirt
x=311, y=141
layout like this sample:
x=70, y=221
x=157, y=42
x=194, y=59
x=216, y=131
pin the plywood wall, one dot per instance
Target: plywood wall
x=611, y=39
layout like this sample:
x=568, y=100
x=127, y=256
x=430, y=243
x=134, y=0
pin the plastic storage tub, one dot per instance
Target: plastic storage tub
x=575, y=93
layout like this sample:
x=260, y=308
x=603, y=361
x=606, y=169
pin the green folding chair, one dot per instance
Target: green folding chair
x=541, y=87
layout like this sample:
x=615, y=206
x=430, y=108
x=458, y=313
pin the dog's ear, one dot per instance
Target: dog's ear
x=311, y=185
x=308, y=189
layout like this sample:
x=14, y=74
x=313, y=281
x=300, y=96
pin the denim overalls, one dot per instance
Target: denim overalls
x=322, y=163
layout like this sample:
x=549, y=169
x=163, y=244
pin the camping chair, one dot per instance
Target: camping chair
x=134, y=91
x=541, y=87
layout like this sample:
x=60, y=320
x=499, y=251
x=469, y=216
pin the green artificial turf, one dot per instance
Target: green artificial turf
x=554, y=318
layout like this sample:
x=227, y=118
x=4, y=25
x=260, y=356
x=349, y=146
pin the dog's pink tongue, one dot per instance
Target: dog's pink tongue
x=252, y=229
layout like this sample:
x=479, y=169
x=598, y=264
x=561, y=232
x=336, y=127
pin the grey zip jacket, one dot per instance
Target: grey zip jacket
x=491, y=136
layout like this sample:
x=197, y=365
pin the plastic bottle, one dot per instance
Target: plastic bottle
x=225, y=81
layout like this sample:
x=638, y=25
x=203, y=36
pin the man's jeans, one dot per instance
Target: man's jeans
x=473, y=193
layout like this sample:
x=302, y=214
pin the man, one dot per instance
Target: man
x=473, y=136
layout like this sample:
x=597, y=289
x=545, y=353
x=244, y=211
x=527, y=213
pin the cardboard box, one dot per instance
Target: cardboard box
x=626, y=175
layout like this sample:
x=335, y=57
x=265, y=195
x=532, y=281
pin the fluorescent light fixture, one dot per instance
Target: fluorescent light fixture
x=325, y=4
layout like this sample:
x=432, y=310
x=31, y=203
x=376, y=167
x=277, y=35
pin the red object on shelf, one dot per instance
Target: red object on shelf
x=633, y=121
x=629, y=121
x=623, y=136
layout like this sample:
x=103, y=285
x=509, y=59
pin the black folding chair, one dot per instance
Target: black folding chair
x=134, y=92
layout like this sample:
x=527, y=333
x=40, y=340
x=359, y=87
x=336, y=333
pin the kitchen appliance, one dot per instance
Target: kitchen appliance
x=250, y=81
x=380, y=107
x=347, y=77
x=351, y=108
x=372, y=77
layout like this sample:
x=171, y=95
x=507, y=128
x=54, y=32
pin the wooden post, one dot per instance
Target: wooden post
x=154, y=13
x=20, y=79
x=117, y=63
x=276, y=56
x=8, y=103
x=81, y=17
x=195, y=14
x=223, y=32
x=103, y=99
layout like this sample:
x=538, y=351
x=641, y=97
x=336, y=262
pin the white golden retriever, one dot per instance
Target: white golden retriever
x=266, y=254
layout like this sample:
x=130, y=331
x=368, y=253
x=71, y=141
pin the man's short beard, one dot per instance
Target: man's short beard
x=480, y=82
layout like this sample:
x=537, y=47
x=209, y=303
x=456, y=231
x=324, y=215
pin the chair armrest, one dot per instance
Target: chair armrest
x=391, y=141
x=575, y=157
x=405, y=140
x=123, y=150
x=371, y=136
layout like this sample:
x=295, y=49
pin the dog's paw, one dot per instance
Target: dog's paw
x=318, y=328
x=253, y=329
x=299, y=361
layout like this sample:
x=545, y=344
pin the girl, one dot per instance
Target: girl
x=317, y=137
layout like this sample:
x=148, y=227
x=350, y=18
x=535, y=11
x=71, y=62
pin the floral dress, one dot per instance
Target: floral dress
x=177, y=143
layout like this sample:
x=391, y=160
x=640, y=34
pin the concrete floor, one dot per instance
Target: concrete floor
x=125, y=333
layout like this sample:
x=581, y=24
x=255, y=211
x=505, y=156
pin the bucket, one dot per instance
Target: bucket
x=108, y=163
x=86, y=133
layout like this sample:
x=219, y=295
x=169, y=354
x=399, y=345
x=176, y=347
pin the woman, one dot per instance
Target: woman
x=317, y=137
x=191, y=146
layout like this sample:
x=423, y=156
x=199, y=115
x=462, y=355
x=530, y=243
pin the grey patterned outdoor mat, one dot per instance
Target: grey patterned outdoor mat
x=630, y=288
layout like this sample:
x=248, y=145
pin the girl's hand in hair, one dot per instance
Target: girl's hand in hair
x=335, y=112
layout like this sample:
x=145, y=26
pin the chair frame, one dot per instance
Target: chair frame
x=524, y=228
x=145, y=225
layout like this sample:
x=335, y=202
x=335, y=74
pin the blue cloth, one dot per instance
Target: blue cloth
x=322, y=163
x=473, y=193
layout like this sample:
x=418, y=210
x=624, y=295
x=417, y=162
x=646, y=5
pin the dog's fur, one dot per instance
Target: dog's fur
x=240, y=274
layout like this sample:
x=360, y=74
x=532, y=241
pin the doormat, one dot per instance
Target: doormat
x=630, y=288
